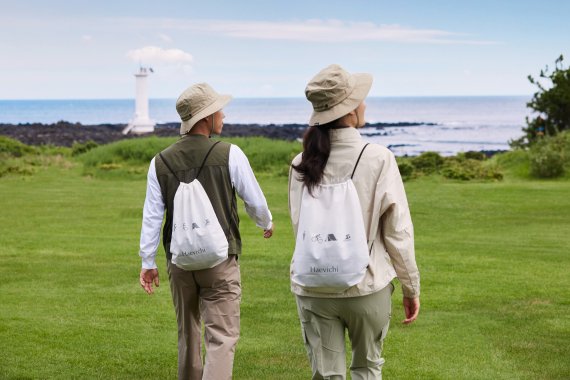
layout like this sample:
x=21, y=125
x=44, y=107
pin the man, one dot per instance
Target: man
x=212, y=295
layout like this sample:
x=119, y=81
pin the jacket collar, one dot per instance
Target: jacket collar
x=345, y=135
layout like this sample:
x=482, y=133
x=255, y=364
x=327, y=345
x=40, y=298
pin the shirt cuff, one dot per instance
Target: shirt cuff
x=411, y=293
x=149, y=263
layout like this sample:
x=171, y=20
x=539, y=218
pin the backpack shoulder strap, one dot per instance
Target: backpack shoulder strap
x=206, y=157
x=201, y=166
x=168, y=166
x=358, y=160
x=370, y=238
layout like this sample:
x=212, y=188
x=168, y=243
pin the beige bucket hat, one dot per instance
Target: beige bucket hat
x=334, y=92
x=197, y=102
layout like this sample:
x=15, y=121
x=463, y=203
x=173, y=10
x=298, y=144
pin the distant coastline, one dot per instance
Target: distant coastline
x=66, y=134
x=407, y=125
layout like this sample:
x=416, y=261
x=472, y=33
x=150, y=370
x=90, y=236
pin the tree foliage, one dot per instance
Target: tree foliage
x=551, y=105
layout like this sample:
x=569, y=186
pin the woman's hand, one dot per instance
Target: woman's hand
x=411, y=308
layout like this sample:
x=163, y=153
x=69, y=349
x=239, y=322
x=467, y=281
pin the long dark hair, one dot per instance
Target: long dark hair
x=316, y=151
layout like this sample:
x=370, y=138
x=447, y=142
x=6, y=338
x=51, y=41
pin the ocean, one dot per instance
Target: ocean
x=446, y=124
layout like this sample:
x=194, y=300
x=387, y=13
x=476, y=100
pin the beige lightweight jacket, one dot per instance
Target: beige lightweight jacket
x=384, y=207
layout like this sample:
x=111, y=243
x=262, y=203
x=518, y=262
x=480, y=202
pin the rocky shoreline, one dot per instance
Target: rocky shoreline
x=66, y=134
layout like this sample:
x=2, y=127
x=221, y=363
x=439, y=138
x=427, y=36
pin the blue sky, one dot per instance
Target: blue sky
x=90, y=49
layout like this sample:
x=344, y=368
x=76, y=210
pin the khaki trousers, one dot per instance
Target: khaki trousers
x=323, y=324
x=212, y=296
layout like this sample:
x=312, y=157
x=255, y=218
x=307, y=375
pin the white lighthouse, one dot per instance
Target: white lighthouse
x=141, y=123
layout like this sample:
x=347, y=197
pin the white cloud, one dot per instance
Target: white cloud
x=313, y=30
x=154, y=54
x=87, y=38
x=323, y=31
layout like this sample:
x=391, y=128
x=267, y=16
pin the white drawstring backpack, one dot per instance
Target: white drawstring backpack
x=331, y=249
x=198, y=240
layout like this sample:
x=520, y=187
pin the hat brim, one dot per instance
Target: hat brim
x=217, y=105
x=363, y=82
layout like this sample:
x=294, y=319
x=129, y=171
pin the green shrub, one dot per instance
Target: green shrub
x=546, y=162
x=16, y=170
x=266, y=155
x=515, y=162
x=454, y=169
x=12, y=165
x=137, y=151
x=550, y=156
x=428, y=162
x=464, y=166
x=127, y=158
x=17, y=158
x=131, y=157
x=406, y=168
x=14, y=148
x=80, y=148
x=480, y=156
x=466, y=169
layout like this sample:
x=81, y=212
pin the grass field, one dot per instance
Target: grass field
x=494, y=259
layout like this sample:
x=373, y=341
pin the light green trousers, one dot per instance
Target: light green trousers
x=323, y=325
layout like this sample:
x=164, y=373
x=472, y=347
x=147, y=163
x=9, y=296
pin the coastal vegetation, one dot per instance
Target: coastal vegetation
x=131, y=157
x=463, y=166
x=550, y=104
x=547, y=158
x=17, y=158
x=493, y=253
x=546, y=139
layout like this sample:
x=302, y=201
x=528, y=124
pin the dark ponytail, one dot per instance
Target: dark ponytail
x=316, y=151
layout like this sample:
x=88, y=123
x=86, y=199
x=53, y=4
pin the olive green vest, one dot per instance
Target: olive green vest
x=185, y=157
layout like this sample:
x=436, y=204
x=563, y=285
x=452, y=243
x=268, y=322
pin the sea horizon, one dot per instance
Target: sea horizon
x=447, y=124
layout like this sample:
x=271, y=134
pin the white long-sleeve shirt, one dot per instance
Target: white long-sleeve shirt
x=244, y=182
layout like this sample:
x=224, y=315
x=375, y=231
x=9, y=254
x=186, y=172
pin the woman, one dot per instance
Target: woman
x=331, y=145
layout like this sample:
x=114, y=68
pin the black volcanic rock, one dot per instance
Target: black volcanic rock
x=63, y=133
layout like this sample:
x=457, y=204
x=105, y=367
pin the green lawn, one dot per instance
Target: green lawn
x=494, y=260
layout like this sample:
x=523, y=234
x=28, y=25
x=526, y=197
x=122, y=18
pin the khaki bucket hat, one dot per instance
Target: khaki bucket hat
x=197, y=102
x=334, y=92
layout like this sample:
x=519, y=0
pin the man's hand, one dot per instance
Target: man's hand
x=268, y=233
x=411, y=308
x=147, y=277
